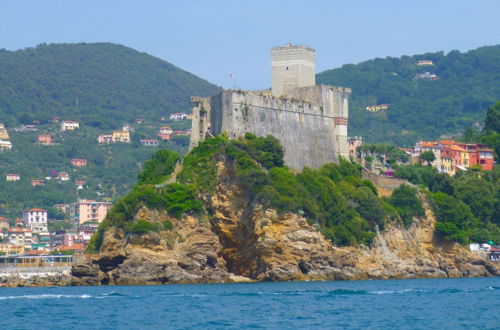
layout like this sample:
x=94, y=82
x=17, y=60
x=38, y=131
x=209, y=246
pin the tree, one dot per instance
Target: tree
x=492, y=121
x=406, y=201
x=428, y=156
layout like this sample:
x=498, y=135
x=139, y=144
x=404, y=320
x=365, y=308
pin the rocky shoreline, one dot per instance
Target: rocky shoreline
x=236, y=241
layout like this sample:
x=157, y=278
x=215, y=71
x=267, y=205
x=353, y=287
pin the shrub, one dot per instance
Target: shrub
x=406, y=201
x=159, y=167
x=142, y=227
x=168, y=225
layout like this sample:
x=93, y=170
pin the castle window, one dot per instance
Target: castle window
x=287, y=68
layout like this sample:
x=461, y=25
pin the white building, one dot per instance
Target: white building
x=35, y=218
x=12, y=177
x=5, y=145
x=178, y=116
x=68, y=125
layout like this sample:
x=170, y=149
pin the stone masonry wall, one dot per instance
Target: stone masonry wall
x=304, y=129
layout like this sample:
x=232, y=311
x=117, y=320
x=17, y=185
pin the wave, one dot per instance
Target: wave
x=46, y=296
x=64, y=296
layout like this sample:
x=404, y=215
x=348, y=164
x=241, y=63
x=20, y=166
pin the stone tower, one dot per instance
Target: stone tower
x=292, y=67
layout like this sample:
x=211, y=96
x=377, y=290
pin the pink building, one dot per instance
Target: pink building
x=35, y=183
x=354, y=143
x=79, y=162
x=45, y=139
x=105, y=139
x=90, y=210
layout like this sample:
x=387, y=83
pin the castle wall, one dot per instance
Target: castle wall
x=306, y=130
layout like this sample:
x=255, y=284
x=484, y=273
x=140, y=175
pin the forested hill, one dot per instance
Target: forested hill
x=100, y=84
x=464, y=86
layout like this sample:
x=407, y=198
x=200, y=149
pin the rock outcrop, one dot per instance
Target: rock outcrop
x=238, y=240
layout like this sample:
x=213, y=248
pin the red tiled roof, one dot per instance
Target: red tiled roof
x=447, y=141
x=36, y=210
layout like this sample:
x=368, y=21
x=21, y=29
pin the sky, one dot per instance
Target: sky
x=213, y=39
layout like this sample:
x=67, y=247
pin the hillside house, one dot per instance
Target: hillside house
x=425, y=63
x=69, y=125
x=426, y=76
x=5, y=145
x=12, y=177
x=184, y=133
x=149, y=142
x=35, y=218
x=37, y=182
x=139, y=121
x=377, y=107
x=127, y=127
x=44, y=139
x=63, y=176
x=163, y=137
x=165, y=130
x=105, y=139
x=80, y=183
x=4, y=135
x=178, y=116
x=121, y=136
x=4, y=223
x=79, y=162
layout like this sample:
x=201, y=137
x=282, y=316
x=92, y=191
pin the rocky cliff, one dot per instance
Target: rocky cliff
x=237, y=240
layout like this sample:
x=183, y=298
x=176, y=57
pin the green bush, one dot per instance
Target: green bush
x=142, y=227
x=407, y=203
x=168, y=225
x=159, y=167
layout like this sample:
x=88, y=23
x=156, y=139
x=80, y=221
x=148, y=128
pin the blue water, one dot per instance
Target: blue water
x=407, y=304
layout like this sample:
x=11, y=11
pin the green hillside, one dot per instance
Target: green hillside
x=113, y=85
x=467, y=83
x=100, y=84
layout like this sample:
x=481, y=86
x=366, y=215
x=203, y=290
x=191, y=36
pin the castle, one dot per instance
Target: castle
x=310, y=121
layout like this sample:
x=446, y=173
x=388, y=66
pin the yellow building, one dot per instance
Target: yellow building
x=121, y=136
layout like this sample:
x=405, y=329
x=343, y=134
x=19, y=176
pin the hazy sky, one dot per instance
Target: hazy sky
x=215, y=38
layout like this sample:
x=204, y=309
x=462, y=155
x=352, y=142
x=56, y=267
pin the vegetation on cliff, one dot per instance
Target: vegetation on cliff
x=334, y=198
x=419, y=108
x=467, y=205
x=151, y=192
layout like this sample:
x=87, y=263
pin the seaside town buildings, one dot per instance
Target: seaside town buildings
x=35, y=219
x=451, y=156
x=88, y=210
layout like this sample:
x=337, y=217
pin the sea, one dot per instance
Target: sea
x=379, y=304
